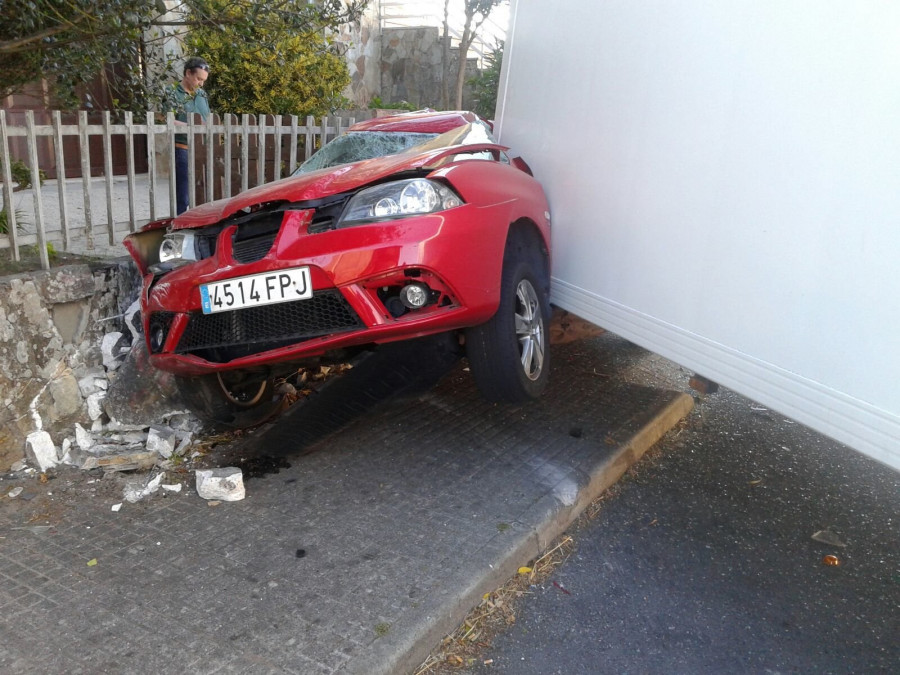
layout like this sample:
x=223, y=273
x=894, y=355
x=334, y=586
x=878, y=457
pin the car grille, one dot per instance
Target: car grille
x=256, y=232
x=225, y=336
x=253, y=240
x=327, y=213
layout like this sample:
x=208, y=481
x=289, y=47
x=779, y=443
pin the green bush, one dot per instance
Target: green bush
x=377, y=103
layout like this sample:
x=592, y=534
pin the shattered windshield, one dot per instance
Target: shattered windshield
x=357, y=145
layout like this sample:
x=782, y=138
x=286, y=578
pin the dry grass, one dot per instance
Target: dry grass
x=496, y=612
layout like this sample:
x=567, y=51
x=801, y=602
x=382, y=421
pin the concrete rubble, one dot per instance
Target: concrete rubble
x=225, y=484
x=123, y=415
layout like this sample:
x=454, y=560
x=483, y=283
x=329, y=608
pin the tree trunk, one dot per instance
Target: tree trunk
x=464, y=44
x=445, y=59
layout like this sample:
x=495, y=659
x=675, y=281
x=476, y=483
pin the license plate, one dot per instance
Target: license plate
x=267, y=288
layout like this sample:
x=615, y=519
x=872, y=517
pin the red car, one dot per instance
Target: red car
x=406, y=226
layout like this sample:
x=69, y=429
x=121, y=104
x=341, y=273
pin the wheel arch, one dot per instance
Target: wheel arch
x=524, y=237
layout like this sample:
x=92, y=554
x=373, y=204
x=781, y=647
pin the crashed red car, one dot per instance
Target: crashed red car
x=405, y=226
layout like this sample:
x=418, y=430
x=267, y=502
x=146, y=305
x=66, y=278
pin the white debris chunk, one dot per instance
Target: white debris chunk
x=92, y=382
x=137, y=490
x=83, y=438
x=115, y=347
x=15, y=492
x=39, y=448
x=116, y=507
x=95, y=404
x=161, y=440
x=225, y=484
x=172, y=488
x=65, y=452
x=185, y=438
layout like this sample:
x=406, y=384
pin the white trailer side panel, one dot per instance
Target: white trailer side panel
x=724, y=179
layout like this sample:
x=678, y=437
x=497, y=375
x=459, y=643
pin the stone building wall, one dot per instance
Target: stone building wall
x=51, y=327
x=398, y=65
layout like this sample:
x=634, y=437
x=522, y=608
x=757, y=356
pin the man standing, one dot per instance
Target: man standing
x=184, y=98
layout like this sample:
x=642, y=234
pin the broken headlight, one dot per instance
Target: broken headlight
x=397, y=200
x=176, y=249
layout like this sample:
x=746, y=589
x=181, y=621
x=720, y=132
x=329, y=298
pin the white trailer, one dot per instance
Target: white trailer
x=724, y=180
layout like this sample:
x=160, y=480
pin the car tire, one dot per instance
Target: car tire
x=231, y=400
x=508, y=355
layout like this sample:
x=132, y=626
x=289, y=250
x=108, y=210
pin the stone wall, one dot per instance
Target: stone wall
x=399, y=65
x=51, y=327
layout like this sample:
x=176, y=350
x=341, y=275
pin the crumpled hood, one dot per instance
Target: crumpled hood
x=333, y=180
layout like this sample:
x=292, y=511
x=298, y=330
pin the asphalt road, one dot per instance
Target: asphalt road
x=704, y=560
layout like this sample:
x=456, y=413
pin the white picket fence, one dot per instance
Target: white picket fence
x=73, y=215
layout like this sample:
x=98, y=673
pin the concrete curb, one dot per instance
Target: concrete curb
x=407, y=646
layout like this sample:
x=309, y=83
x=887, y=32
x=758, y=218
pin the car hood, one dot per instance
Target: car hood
x=335, y=180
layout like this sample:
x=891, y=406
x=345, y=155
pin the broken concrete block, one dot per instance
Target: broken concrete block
x=115, y=457
x=116, y=425
x=224, y=484
x=185, y=438
x=66, y=395
x=92, y=381
x=65, y=452
x=161, y=440
x=129, y=437
x=115, y=347
x=83, y=438
x=136, y=490
x=39, y=449
x=95, y=404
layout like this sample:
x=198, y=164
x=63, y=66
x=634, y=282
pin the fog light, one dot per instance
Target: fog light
x=415, y=296
x=157, y=337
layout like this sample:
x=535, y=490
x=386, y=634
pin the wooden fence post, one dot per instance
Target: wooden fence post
x=36, y=191
x=85, y=152
x=6, y=161
x=61, y=178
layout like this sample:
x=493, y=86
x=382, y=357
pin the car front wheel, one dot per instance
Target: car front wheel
x=232, y=400
x=508, y=355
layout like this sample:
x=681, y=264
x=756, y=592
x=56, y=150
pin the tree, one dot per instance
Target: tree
x=486, y=84
x=476, y=12
x=268, y=66
x=70, y=42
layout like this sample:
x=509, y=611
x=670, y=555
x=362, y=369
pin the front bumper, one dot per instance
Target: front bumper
x=356, y=275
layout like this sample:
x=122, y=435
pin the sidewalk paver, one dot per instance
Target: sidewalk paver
x=356, y=558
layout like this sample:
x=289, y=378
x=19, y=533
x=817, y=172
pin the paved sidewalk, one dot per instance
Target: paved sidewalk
x=23, y=202
x=356, y=558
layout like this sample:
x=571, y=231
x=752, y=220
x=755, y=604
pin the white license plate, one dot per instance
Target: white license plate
x=257, y=289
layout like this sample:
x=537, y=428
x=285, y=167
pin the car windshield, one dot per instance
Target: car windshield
x=357, y=145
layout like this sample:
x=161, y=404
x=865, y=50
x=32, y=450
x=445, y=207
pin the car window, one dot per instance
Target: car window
x=358, y=145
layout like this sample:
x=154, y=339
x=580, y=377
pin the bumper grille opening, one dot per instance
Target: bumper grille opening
x=226, y=336
x=327, y=214
x=254, y=239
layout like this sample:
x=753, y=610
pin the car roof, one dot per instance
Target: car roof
x=420, y=121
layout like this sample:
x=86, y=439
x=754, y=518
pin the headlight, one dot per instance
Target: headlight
x=175, y=249
x=178, y=246
x=399, y=199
